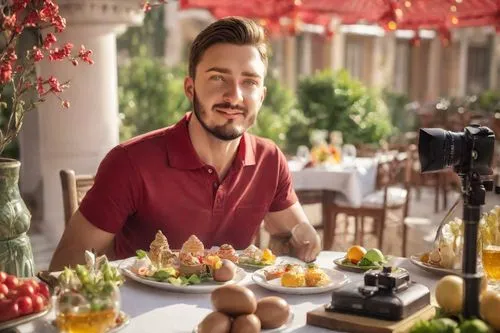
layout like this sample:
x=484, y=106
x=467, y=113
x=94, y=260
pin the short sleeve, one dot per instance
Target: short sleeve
x=115, y=193
x=285, y=195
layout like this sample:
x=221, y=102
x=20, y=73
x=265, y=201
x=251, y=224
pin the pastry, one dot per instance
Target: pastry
x=159, y=251
x=193, y=246
x=226, y=251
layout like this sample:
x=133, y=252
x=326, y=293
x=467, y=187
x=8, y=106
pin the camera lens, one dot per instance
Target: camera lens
x=439, y=149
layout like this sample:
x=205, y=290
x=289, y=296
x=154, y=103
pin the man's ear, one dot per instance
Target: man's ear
x=264, y=93
x=189, y=87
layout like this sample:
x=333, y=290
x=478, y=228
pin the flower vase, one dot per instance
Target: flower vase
x=16, y=256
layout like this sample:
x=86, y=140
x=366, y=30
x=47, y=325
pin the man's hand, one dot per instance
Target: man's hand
x=305, y=242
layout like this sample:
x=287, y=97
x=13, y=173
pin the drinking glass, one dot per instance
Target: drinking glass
x=349, y=154
x=490, y=259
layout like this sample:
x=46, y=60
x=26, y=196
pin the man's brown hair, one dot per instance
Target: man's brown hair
x=229, y=30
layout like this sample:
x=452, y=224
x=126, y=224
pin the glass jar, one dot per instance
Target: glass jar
x=88, y=312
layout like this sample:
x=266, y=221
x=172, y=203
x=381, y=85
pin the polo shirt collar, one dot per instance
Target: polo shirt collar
x=182, y=155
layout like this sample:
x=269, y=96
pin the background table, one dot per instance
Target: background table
x=154, y=310
x=353, y=181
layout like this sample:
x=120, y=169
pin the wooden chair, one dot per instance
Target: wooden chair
x=74, y=188
x=392, y=192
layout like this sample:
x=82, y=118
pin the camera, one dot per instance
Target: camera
x=469, y=151
x=471, y=155
x=386, y=293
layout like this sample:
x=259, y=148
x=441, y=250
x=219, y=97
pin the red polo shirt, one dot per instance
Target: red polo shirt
x=157, y=182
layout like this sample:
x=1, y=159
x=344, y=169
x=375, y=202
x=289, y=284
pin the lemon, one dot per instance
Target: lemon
x=355, y=253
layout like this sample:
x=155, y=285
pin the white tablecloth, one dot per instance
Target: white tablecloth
x=159, y=311
x=352, y=181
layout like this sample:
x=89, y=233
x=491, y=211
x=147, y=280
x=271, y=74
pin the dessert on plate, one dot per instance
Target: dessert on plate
x=191, y=257
x=159, y=251
x=228, y=252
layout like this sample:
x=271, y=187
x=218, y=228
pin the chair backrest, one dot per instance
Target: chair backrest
x=74, y=188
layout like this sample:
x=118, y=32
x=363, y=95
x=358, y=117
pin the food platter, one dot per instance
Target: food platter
x=24, y=319
x=337, y=278
x=415, y=259
x=343, y=264
x=204, y=287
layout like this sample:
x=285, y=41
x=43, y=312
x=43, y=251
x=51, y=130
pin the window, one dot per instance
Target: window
x=478, y=69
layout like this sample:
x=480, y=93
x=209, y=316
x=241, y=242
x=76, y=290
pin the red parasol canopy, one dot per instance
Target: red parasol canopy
x=390, y=14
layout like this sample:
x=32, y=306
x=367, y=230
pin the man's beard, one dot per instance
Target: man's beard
x=226, y=132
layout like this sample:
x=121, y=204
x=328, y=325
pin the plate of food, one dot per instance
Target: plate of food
x=299, y=279
x=253, y=258
x=424, y=262
x=22, y=300
x=190, y=270
x=358, y=259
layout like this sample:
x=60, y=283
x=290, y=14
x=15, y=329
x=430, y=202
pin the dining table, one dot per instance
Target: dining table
x=154, y=310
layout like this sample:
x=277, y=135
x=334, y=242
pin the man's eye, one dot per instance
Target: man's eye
x=217, y=78
x=251, y=82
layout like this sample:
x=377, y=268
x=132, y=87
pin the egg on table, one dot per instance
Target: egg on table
x=225, y=272
x=248, y=323
x=215, y=322
x=272, y=311
x=234, y=300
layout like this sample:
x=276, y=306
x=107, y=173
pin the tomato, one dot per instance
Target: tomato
x=11, y=311
x=25, y=305
x=11, y=281
x=38, y=303
x=33, y=283
x=4, y=289
x=25, y=289
x=12, y=294
x=43, y=289
x=3, y=276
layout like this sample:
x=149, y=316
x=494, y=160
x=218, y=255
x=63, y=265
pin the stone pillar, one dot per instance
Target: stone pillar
x=337, y=47
x=383, y=60
x=462, y=63
x=306, y=54
x=78, y=138
x=174, y=39
x=433, y=70
x=495, y=62
x=290, y=61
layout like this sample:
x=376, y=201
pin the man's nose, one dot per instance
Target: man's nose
x=233, y=94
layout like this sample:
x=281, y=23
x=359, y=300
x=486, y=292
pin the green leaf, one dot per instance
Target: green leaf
x=141, y=254
x=194, y=279
x=161, y=275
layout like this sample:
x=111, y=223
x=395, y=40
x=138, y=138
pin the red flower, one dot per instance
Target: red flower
x=9, y=22
x=49, y=11
x=54, y=84
x=59, y=23
x=66, y=104
x=11, y=54
x=37, y=54
x=32, y=19
x=5, y=72
x=49, y=40
x=39, y=86
x=85, y=55
x=60, y=54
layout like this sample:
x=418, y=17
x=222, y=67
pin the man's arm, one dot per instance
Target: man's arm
x=294, y=221
x=72, y=246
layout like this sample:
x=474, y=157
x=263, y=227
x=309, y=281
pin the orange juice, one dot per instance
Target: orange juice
x=87, y=322
x=491, y=262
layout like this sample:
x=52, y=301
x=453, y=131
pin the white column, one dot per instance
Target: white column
x=383, y=60
x=337, y=48
x=174, y=38
x=78, y=138
x=462, y=64
x=290, y=61
x=306, y=54
x=433, y=70
x=495, y=61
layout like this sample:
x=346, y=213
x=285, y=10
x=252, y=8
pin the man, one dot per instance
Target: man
x=204, y=175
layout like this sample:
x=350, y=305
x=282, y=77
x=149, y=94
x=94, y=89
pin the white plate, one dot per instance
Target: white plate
x=415, y=259
x=23, y=319
x=337, y=280
x=202, y=288
x=286, y=325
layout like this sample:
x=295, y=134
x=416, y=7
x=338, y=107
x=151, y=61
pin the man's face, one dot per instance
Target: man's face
x=228, y=90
